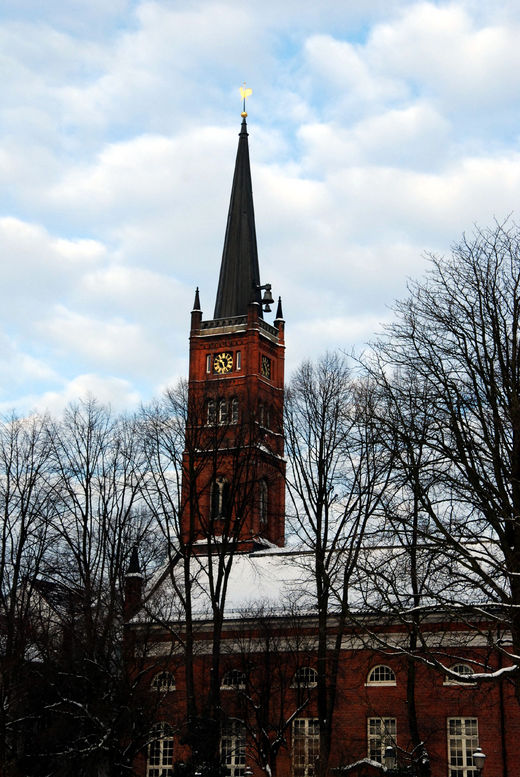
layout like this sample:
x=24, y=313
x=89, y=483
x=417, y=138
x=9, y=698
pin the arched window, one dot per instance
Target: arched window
x=305, y=677
x=164, y=681
x=463, y=670
x=219, y=497
x=234, y=410
x=211, y=412
x=381, y=675
x=233, y=748
x=233, y=680
x=263, y=495
x=223, y=412
x=159, y=762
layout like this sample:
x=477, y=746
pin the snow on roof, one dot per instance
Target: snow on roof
x=273, y=580
x=280, y=581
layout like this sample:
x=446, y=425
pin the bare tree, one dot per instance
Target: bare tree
x=26, y=504
x=87, y=703
x=397, y=573
x=336, y=479
x=449, y=374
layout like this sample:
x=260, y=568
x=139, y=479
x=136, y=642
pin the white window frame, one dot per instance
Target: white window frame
x=216, y=497
x=239, y=360
x=159, y=756
x=234, y=410
x=263, y=501
x=233, y=747
x=462, y=669
x=305, y=677
x=462, y=741
x=209, y=360
x=163, y=681
x=234, y=680
x=305, y=746
x=211, y=412
x=381, y=733
x=223, y=412
x=381, y=675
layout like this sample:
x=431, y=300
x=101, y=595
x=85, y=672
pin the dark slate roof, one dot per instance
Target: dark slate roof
x=134, y=567
x=196, y=304
x=239, y=272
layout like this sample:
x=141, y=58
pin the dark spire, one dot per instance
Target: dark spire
x=196, y=304
x=133, y=567
x=239, y=273
x=279, y=313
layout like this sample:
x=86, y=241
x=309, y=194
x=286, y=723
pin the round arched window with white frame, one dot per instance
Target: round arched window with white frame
x=163, y=681
x=381, y=675
x=234, y=679
x=305, y=677
x=464, y=671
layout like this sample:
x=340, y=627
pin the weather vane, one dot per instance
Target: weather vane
x=244, y=93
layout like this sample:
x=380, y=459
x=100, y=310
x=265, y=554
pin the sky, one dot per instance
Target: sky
x=379, y=131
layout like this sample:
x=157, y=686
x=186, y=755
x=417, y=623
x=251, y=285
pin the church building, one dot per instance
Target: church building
x=224, y=638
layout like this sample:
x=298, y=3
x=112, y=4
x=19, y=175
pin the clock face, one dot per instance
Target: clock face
x=266, y=367
x=223, y=362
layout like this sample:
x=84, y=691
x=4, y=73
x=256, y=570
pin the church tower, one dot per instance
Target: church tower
x=234, y=469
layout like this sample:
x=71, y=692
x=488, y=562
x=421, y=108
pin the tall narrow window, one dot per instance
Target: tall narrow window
x=211, y=412
x=261, y=414
x=208, y=363
x=381, y=734
x=233, y=748
x=160, y=752
x=239, y=360
x=305, y=746
x=234, y=410
x=462, y=742
x=219, y=497
x=263, y=502
x=223, y=412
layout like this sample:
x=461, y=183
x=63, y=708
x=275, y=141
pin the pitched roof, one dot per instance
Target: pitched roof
x=274, y=580
x=239, y=271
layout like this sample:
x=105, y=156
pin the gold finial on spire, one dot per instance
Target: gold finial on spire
x=244, y=93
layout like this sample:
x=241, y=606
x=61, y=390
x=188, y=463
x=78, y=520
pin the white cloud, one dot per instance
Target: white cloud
x=119, y=394
x=129, y=288
x=379, y=129
x=19, y=369
x=442, y=48
x=316, y=335
x=38, y=267
x=113, y=344
x=345, y=74
x=416, y=136
x=152, y=194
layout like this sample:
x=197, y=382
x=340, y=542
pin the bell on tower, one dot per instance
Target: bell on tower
x=236, y=490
